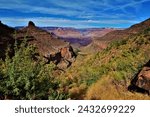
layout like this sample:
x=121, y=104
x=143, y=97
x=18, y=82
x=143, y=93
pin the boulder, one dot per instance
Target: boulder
x=141, y=82
x=143, y=79
x=67, y=57
x=67, y=53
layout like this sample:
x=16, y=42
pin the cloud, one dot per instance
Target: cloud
x=40, y=21
x=66, y=7
x=73, y=12
x=133, y=3
x=36, y=9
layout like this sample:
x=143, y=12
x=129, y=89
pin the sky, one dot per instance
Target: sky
x=75, y=13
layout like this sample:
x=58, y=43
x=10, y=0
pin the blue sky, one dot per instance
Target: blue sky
x=74, y=13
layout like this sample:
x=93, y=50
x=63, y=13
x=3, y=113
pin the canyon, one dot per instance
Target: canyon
x=88, y=60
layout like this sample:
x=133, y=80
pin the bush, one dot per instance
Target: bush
x=25, y=78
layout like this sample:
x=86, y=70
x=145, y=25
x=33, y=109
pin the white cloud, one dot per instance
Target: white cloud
x=27, y=8
x=70, y=8
x=87, y=11
x=133, y=3
x=40, y=21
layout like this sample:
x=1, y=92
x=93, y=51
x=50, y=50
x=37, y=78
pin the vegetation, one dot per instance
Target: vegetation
x=103, y=75
x=107, y=74
x=25, y=76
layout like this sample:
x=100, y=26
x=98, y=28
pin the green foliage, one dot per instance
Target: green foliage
x=26, y=78
x=119, y=62
x=116, y=44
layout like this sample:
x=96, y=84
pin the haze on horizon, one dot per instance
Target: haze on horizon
x=74, y=13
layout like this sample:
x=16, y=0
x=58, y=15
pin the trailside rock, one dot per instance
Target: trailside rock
x=143, y=79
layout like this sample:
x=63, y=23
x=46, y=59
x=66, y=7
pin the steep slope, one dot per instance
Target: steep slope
x=139, y=27
x=108, y=74
x=120, y=34
x=46, y=42
x=6, y=38
x=121, y=61
x=48, y=45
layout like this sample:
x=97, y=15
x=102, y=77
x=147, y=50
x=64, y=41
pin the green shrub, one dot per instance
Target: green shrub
x=25, y=78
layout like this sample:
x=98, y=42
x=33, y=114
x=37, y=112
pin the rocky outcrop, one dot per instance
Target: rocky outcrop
x=143, y=79
x=46, y=43
x=49, y=45
x=67, y=53
x=63, y=58
x=141, y=82
x=31, y=24
x=67, y=57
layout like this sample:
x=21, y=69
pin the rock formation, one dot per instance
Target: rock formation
x=67, y=53
x=48, y=45
x=68, y=57
x=121, y=34
x=31, y=24
x=63, y=58
x=45, y=42
x=141, y=82
x=143, y=79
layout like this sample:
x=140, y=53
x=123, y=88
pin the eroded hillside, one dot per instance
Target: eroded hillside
x=119, y=70
x=108, y=74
